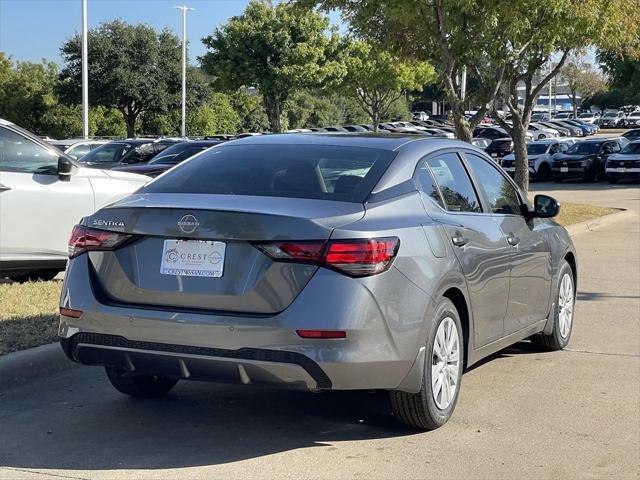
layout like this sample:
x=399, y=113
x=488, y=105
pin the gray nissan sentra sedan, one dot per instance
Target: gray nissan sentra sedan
x=319, y=262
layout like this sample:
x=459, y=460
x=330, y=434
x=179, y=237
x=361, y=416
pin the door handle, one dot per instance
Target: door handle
x=459, y=241
x=513, y=240
x=4, y=188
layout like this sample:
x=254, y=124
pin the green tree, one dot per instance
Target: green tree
x=624, y=71
x=215, y=116
x=378, y=78
x=249, y=107
x=27, y=92
x=277, y=49
x=131, y=68
x=502, y=42
x=581, y=78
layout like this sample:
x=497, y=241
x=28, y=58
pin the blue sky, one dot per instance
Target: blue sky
x=34, y=29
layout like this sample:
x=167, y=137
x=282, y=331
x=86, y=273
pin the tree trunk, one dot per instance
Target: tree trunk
x=375, y=120
x=274, y=114
x=520, y=150
x=130, y=118
x=574, y=104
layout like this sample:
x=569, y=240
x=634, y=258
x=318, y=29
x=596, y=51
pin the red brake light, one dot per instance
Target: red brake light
x=84, y=239
x=356, y=258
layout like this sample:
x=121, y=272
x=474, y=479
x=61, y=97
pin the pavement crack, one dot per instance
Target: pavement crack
x=27, y=470
x=575, y=350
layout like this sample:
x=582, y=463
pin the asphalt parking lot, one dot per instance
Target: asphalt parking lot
x=521, y=413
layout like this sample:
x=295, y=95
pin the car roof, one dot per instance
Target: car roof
x=381, y=141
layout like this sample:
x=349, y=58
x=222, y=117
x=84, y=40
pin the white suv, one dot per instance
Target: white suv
x=43, y=193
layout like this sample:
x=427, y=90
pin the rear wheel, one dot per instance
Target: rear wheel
x=563, y=313
x=140, y=386
x=433, y=405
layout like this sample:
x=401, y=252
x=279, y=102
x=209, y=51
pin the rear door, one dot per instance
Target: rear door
x=530, y=257
x=478, y=243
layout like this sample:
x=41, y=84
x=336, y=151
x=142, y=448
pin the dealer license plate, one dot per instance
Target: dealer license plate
x=193, y=258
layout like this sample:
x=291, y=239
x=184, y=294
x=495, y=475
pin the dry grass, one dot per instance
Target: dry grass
x=28, y=314
x=571, y=213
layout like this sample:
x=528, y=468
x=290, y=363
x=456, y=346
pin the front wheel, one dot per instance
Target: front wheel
x=433, y=405
x=562, y=314
x=139, y=385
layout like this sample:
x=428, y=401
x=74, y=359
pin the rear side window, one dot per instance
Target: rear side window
x=426, y=184
x=298, y=171
x=455, y=184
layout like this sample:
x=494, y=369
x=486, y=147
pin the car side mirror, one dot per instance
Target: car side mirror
x=65, y=168
x=545, y=206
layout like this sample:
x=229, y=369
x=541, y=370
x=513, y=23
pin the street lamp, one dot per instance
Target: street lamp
x=184, y=10
x=85, y=74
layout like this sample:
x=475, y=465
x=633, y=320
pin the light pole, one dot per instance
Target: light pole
x=85, y=74
x=184, y=10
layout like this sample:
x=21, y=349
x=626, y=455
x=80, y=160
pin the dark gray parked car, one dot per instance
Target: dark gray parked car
x=319, y=262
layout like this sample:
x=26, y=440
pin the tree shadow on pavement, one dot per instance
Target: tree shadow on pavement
x=78, y=422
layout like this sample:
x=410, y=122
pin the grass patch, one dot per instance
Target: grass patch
x=28, y=314
x=571, y=213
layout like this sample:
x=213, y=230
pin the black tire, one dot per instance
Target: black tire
x=555, y=341
x=419, y=410
x=139, y=386
x=38, y=275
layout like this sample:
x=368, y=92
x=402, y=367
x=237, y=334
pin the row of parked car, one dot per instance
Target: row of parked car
x=589, y=160
x=607, y=119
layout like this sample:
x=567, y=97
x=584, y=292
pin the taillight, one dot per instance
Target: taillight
x=354, y=257
x=84, y=239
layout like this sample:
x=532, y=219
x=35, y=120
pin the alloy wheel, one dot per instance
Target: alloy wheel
x=565, y=304
x=445, y=367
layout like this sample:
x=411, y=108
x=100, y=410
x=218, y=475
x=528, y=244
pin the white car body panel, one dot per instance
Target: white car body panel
x=38, y=210
x=45, y=203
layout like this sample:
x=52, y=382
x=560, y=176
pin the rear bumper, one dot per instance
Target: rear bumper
x=246, y=365
x=379, y=352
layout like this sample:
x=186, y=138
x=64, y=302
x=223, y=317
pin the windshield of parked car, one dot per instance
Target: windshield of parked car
x=584, y=147
x=297, y=171
x=586, y=115
x=611, y=114
x=107, y=153
x=631, y=149
x=177, y=153
x=537, y=148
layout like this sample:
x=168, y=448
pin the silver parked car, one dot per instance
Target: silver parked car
x=319, y=262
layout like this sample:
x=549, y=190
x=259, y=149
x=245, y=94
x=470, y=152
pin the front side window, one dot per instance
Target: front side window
x=79, y=150
x=455, y=184
x=498, y=191
x=19, y=154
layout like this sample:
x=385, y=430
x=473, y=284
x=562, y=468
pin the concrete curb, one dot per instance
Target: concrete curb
x=27, y=365
x=590, y=225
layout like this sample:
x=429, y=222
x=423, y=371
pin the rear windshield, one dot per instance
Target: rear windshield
x=298, y=171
